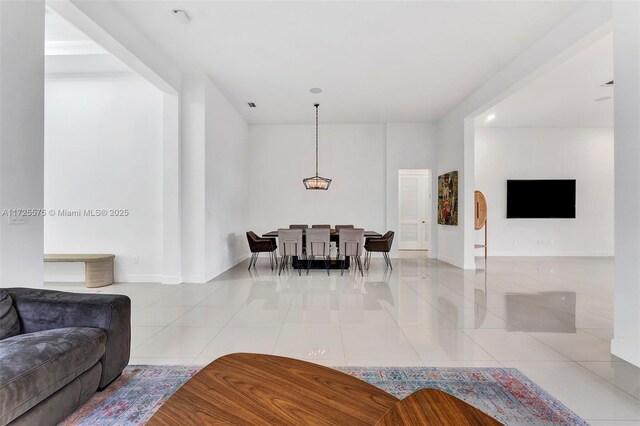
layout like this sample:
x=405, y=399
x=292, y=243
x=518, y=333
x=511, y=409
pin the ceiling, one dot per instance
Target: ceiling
x=563, y=97
x=375, y=61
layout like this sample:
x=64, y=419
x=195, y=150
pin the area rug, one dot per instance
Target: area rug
x=503, y=393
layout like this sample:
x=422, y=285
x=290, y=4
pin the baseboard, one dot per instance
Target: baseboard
x=551, y=254
x=171, y=279
x=64, y=278
x=212, y=274
x=139, y=278
x=450, y=261
x=194, y=278
x=625, y=352
x=123, y=278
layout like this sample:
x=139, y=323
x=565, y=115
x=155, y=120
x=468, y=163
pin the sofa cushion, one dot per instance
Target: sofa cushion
x=35, y=365
x=9, y=324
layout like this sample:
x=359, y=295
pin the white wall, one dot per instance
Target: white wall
x=193, y=178
x=103, y=150
x=408, y=146
x=362, y=159
x=455, y=131
x=21, y=139
x=584, y=154
x=215, y=181
x=350, y=154
x=227, y=183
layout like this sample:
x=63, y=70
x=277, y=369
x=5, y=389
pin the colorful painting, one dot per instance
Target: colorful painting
x=448, y=199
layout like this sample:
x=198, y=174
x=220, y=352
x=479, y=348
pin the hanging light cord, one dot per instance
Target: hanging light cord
x=316, y=105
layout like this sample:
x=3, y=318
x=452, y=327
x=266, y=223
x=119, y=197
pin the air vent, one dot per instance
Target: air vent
x=251, y=105
x=608, y=84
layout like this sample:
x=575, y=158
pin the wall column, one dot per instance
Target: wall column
x=626, y=24
x=21, y=141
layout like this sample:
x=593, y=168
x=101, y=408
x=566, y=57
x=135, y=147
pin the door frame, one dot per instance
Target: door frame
x=428, y=209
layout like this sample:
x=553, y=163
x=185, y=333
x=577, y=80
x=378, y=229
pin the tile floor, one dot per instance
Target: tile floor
x=551, y=318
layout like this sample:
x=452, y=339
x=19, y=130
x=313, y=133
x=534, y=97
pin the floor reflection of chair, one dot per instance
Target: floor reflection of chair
x=315, y=303
x=377, y=292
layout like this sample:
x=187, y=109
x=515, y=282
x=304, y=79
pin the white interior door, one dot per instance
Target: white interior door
x=414, y=214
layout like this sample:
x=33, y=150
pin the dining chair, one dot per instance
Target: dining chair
x=298, y=226
x=259, y=245
x=350, y=244
x=379, y=245
x=318, y=244
x=321, y=226
x=339, y=227
x=290, y=241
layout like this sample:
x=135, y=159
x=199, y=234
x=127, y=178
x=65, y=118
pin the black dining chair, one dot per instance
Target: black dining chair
x=259, y=245
x=379, y=245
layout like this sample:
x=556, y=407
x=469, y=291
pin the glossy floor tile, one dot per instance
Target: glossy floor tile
x=549, y=317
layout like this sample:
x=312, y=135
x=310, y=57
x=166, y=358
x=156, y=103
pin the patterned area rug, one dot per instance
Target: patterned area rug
x=503, y=393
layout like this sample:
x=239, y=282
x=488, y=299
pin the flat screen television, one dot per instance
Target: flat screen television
x=541, y=199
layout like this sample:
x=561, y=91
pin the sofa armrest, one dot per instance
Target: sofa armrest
x=47, y=309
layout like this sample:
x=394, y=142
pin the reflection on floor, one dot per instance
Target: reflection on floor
x=552, y=318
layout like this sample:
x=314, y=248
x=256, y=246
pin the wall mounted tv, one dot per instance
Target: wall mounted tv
x=541, y=199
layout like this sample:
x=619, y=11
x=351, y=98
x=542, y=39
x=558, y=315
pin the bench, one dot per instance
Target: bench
x=98, y=268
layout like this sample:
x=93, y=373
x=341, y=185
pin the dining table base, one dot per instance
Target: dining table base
x=319, y=263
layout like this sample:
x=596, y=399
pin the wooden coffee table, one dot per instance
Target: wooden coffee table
x=253, y=389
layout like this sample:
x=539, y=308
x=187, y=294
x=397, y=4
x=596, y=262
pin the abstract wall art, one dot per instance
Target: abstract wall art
x=448, y=199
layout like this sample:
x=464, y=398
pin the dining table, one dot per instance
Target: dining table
x=319, y=264
x=333, y=234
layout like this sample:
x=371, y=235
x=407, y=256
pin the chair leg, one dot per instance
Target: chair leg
x=342, y=266
x=283, y=262
x=309, y=260
x=388, y=260
x=359, y=263
x=253, y=256
x=326, y=265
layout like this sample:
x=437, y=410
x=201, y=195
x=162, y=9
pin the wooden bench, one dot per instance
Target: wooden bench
x=98, y=268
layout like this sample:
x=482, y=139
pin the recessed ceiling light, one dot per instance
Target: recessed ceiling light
x=316, y=90
x=251, y=104
x=490, y=117
x=604, y=98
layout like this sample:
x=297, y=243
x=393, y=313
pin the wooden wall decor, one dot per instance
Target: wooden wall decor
x=448, y=199
x=481, y=210
x=480, y=218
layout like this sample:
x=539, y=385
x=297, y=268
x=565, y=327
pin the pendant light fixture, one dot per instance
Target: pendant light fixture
x=316, y=182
